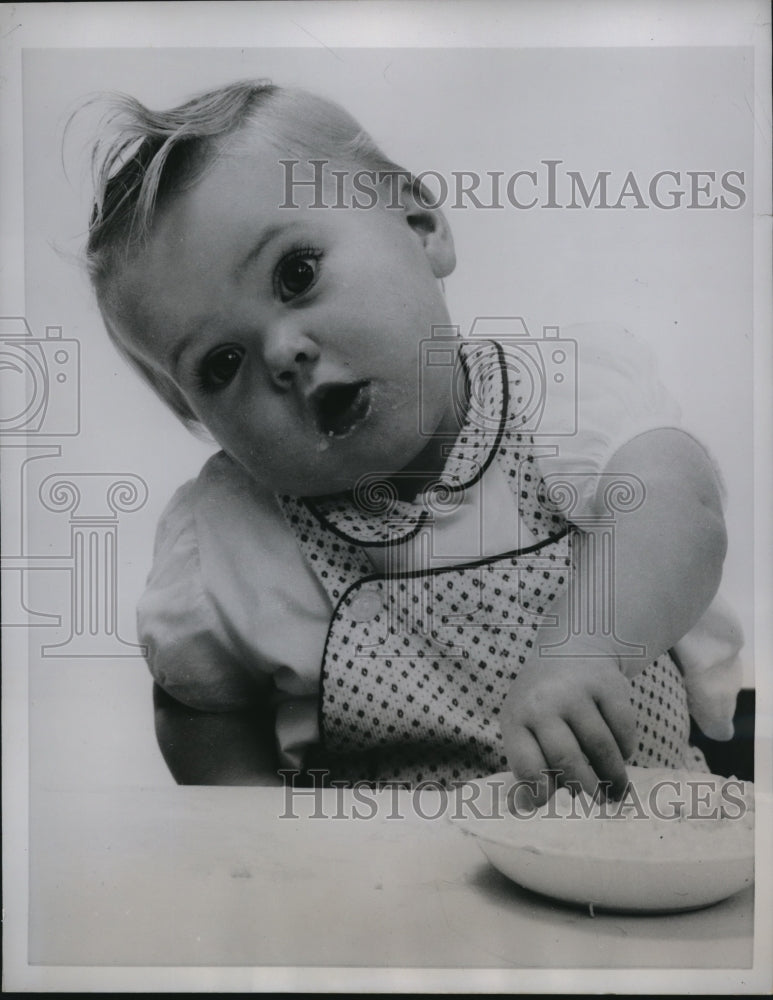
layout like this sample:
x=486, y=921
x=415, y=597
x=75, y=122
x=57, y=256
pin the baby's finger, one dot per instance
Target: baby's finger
x=528, y=764
x=615, y=706
x=564, y=754
x=603, y=753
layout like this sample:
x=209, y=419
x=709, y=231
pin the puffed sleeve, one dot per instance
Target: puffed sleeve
x=609, y=395
x=190, y=652
x=709, y=658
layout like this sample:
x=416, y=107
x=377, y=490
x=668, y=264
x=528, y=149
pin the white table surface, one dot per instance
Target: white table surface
x=214, y=876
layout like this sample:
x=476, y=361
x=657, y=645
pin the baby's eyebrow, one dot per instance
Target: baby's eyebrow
x=268, y=234
x=176, y=352
x=180, y=346
x=257, y=249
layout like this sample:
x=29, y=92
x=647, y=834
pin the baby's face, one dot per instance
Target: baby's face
x=294, y=334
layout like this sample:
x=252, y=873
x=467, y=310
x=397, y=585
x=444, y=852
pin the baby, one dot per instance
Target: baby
x=380, y=574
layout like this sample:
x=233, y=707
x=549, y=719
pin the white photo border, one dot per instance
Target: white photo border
x=442, y=24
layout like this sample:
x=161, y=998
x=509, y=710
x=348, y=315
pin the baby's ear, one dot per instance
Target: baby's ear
x=432, y=228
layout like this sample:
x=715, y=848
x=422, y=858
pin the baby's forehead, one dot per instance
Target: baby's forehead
x=253, y=190
x=308, y=171
x=133, y=301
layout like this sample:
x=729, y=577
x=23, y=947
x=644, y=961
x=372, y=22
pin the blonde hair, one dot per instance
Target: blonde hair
x=148, y=155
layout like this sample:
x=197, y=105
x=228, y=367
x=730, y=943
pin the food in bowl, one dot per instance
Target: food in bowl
x=677, y=840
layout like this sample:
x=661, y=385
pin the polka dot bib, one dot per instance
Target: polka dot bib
x=417, y=663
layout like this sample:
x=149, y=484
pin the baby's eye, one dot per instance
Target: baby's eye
x=220, y=366
x=296, y=273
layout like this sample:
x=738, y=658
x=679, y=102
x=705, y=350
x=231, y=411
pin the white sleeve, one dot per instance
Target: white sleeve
x=712, y=669
x=612, y=394
x=231, y=612
x=190, y=650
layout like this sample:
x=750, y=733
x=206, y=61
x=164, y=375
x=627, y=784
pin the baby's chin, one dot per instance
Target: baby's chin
x=327, y=464
x=331, y=485
x=311, y=479
x=322, y=476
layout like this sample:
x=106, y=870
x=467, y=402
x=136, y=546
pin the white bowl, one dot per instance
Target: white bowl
x=634, y=857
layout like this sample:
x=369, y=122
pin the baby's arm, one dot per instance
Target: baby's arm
x=573, y=713
x=198, y=619
x=215, y=748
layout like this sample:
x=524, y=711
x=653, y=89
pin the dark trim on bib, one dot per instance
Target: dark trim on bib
x=512, y=554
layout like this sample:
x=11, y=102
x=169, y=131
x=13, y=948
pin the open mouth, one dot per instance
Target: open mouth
x=339, y=406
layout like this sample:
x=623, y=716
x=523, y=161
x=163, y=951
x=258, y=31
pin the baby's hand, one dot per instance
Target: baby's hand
x=570, y=714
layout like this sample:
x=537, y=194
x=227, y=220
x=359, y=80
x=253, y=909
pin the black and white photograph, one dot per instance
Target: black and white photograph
x=386, y=431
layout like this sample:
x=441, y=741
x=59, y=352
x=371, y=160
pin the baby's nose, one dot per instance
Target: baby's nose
x=288, y=353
